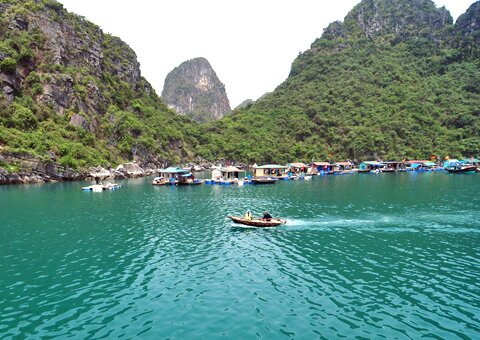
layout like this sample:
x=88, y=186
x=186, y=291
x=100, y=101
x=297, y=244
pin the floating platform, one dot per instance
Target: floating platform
x=102, y=187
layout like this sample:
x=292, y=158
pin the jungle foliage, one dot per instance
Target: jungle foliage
x=356, y=95
x=388, y=88
x=124, y=118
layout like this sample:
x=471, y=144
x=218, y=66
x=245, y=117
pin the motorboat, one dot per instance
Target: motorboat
x=257, y=222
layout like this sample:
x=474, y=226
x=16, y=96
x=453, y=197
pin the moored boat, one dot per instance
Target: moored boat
x=257, y=222
x=102, y=187
x=190, y=181
x=461, y=169
x=160, y=180
x=263, y=180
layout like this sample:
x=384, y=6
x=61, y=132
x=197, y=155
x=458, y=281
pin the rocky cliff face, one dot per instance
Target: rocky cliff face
x=467, y=29
x=193, y=89
x=400, y=18
x=392, y=21
x=73, y=95
x=67, y=51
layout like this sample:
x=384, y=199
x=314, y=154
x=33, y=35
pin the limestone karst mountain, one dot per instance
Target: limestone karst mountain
x=193, y=89
x=395, y=79
x=74, y=95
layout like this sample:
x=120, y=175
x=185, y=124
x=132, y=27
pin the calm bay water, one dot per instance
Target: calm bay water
x=362, y=256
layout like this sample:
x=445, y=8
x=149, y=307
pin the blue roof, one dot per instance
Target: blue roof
x=174, y=170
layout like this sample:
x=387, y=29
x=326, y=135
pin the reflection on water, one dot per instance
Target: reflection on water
x=387, y=256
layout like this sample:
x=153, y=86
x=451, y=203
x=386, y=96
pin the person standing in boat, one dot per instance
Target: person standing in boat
x=248, y=215
x=267, y=216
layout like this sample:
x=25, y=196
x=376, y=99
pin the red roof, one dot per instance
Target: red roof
x=298, y=165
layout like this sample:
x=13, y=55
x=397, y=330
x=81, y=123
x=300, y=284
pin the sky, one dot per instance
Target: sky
x=250, y=44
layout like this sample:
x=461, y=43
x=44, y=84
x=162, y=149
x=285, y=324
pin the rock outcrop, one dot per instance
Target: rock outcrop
x=193, y=89
x=78, y=94
x=467, y=30
x=397, y=20
x=245, y=104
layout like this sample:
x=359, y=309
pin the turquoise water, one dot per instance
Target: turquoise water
x=362, y=256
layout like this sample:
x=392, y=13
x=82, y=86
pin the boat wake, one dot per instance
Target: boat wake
x=377, y=224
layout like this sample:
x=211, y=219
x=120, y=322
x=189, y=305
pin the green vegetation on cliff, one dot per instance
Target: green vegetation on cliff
x=193, y=89
x=392, y=81
x=74, y=95
x=395, y=80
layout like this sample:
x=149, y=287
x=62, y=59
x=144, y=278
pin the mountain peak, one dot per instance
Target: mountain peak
x=401, y=19
x=467, y=31
x=193, y=89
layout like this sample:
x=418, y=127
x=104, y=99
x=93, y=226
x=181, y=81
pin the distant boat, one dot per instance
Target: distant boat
x=264, y=180
x=461, y=169
x=160, y=180
x=102, y=187
x=257, y=222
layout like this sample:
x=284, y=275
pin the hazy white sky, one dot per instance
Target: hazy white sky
x=249, y=43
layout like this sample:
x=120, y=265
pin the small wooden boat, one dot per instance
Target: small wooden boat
x=257, y=222
x=461, y=169
x=190, y=182
x=264, y=180
x=102, y=187
x=160, y=181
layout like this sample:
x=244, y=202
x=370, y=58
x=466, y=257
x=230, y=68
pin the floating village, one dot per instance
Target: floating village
x=271, y=173
x=234, y=174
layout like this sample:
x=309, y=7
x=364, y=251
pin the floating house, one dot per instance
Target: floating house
x=232, y=173
x=472, y=161
x=297, y=169
x=175, y=176
x=450, y=162
x=172, y=174
x=420, y=165
x=227, y=175
x=371, y=167
x=270, y=170
x=321, y=168
x=340, y=168
x=393, y=166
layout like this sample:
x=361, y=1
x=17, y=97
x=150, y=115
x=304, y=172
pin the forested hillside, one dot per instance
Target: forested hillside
x=395, y=79
x=74, y=96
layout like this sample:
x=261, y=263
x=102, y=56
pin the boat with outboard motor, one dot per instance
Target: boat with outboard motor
x=257, y=222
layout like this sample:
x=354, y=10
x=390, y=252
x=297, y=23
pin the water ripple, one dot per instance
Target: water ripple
x=353, y=261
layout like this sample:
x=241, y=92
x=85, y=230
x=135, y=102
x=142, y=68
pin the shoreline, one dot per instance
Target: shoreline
x=50, y=174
